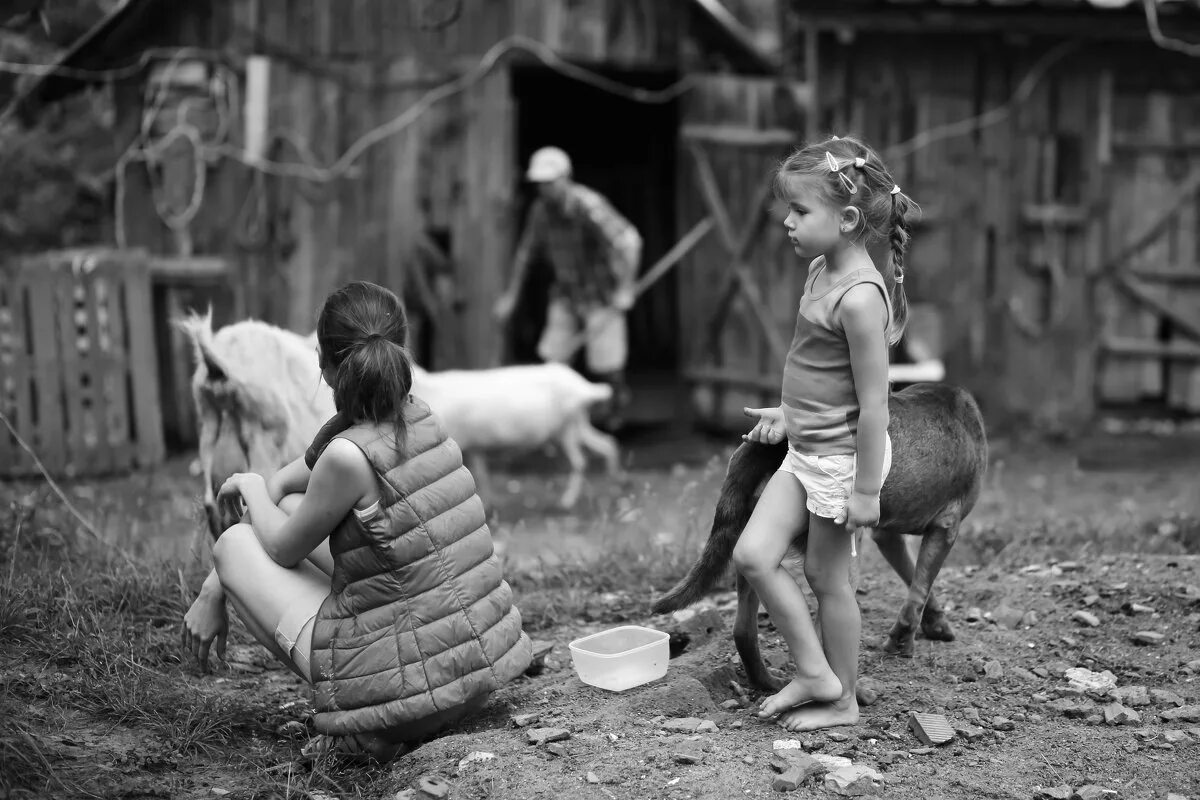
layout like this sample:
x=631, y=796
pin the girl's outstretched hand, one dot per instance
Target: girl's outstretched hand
x=770, y=428
x=862, y=511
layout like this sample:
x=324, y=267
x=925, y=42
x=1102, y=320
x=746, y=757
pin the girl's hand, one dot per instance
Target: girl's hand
x=770, y=428
x=204, y=623
x=230, y=499
x=862, y=511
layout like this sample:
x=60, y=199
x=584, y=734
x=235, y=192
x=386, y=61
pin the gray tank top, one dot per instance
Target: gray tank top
x=820, y=404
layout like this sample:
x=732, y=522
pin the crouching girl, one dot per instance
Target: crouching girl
x=367, y=566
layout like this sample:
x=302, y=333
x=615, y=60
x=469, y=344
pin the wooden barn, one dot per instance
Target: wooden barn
x=277, y=148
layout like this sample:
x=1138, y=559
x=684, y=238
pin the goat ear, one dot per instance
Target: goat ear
x=198, y=328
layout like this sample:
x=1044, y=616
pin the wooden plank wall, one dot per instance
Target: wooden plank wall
x=714, y=354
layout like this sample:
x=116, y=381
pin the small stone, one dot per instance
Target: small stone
x=1174, y=796
x=830, y=762
x=789, y=780
x=835, y=736
x=434, y=786
x=1029, y=620
x=537, y=664
x=556, y=749
x=681, y=725
x=1162, y=697
x=1003, y=724
x=1092, y=792
x=1008, y=617
x=993, y=670
x=923, y=751
x=1053, y=793
x=1132, y=696
x=972, y=715
x=855, y=780
x=1091, y=600
x=1086, y=618
x=1088, y=681
x=973, y=614
x=1117, y=714
x=1040, y=697
x=931, y=729
x=1136, y=608
x=1181, y=714
x=969, y=732
x=219, y=792
x=787, y=744
x=475, y=757
x=707, y=726
x=1148, y=638
x=865, y=695
x=1176, y=737
x=405, y=794
x=1022, y=673
x=1069, y=641
x=521, y=720
x=729, y=705
x=544, y=735
x=1041, y=672
x=687, y=757
x=592, y=778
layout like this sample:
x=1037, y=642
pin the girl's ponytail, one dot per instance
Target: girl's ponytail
x=373, y=382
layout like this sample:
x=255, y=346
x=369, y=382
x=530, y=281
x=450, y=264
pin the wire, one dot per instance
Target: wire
x=991, y=116
x=1160, y=38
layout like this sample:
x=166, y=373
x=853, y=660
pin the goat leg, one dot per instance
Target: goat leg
x=745, y=638
x=920, y=603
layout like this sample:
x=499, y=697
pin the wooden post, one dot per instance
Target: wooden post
x=482, y=246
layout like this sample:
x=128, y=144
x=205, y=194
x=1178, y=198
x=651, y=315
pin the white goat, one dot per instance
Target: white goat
x=260, y=401
x=517, y=408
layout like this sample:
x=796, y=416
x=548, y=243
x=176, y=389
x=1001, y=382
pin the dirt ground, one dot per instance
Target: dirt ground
x=1046, y=541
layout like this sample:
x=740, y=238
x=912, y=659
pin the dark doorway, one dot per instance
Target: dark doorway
x=625, y=150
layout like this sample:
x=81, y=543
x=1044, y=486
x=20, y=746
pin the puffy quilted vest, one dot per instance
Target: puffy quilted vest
x=420, y=619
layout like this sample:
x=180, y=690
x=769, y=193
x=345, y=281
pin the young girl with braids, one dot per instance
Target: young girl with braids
x=367, y=566
x=834, y=414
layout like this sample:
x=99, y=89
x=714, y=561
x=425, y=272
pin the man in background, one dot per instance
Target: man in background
x=595, y=254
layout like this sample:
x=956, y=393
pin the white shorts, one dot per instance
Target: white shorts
x=601, y=331
x=293, y=634
x=828, y=480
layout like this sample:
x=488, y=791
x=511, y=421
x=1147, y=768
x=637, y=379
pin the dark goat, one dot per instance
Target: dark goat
x=939, y=456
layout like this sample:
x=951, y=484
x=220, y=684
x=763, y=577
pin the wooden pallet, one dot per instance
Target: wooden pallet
x=78, y=380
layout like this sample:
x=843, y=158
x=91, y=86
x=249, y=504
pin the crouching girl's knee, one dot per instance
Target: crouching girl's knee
x=233, y=544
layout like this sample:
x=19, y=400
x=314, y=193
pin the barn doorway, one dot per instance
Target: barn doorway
x=626, y=151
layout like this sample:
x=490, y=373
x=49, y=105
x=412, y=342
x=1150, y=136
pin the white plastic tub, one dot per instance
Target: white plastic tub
x=621, y=658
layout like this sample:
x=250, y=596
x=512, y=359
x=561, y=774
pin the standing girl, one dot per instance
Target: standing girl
x=834, y=414
x=366, y=566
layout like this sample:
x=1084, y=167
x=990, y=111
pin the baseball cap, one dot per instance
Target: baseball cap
x=548, y=164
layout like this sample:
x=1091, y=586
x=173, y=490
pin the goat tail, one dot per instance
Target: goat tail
x=749, y=468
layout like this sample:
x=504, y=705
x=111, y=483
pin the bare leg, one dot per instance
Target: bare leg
x=777, y=518
x=262, y=591
x=571, y=449
x=827, y=569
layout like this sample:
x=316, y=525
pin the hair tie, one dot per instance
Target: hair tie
x=895, y=189
x=374, y=336
x=899, y=276
x=860, y=162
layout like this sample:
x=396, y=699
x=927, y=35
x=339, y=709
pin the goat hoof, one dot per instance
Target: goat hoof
x=937, y=629
x=898, y=646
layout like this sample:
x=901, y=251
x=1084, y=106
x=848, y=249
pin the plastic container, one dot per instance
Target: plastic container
x=621, y=658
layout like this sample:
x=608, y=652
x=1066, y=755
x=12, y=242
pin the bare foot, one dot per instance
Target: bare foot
x=843, y=711
x=806, y=690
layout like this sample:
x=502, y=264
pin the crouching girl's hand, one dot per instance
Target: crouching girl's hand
x=770, y=428
x=206, y=623
x=231, y=499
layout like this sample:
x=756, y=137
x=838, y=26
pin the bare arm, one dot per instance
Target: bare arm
x=290, y=479
x=863, y=317
x=341, y=477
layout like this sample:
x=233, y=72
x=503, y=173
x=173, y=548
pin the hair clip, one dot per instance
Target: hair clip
x=831, y=162
x=860, y=162
x=895, y=189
